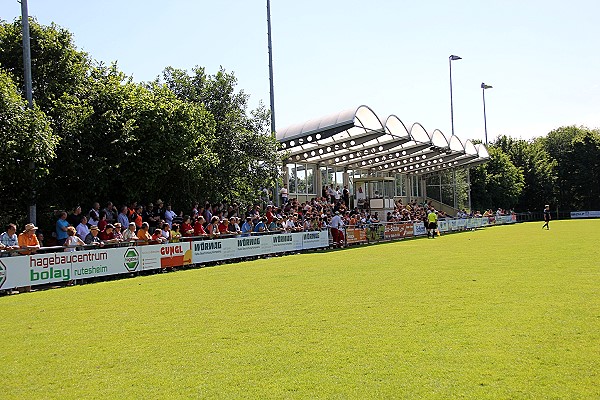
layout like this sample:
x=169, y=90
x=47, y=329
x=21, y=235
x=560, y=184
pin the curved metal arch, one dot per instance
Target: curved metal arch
x=419, y=134
x=439, y=140
x=395, y=127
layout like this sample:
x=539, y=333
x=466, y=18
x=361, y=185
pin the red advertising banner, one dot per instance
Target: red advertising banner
x=355, y=235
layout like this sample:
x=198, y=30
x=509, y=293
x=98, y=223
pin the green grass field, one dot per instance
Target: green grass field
x=510, y=312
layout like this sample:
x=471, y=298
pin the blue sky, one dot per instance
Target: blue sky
x=541, y=57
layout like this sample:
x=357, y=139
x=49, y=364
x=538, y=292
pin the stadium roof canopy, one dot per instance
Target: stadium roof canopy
x=358, y=139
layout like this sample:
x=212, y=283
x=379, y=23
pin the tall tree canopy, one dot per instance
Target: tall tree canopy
x=103, y=137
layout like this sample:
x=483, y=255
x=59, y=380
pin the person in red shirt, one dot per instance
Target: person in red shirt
x=186, y=227
x=269, y=214
x=224, y=226
x=199, y=227
x=157, y=236
x=108, y=234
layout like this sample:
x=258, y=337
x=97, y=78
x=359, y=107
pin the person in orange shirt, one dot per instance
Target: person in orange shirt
x=143, y=232
x=28, y=240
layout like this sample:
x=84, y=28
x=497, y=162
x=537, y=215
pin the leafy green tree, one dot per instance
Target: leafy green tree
x=497, y=183
x=26, y=137
x=57, y=67
x=247, y=154
x=576, y=151
x=538, y=171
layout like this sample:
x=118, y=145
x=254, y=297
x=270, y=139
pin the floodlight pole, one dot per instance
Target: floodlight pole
x=272, y=92
x=28, y=93
x=483, y=87
x=450, y=59
x=271, y=89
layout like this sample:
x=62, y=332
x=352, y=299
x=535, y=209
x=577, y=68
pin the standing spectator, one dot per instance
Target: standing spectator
x=160, y=210
x=346, y=196
x=111, y=212
x=122, y=217
x=75, y=218
x=149, y=216
x=234, y=227
x=102, y=221
x=178, y=219
x=82, y=229
x=94, y=214
x=169, y=215
x=28, y=240
x=283, y=192
x=9, y=238
x=61, y=228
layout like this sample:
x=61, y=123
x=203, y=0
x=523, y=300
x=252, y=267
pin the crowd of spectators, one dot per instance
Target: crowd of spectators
x=159, y=223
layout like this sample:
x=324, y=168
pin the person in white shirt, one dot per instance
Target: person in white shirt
x=82, y=228
x=336, y=224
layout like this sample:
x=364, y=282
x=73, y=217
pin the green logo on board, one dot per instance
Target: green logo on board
x=132, y=259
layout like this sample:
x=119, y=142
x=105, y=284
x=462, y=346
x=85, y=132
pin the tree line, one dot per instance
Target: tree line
x=561, y=169
x=95, y=135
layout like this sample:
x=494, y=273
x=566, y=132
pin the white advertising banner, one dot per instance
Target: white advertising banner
x=313, y=240
x=14, y=272
x=419, y=229
x=444, y=226
x=585, y=214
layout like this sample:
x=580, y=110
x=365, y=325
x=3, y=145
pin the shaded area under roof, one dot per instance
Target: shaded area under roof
x=357, y=139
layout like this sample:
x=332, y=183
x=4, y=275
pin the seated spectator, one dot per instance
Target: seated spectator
x=9, y=238
x=260, y=225
x=28, y=241
x=82, y=229
x=213, y=227
x=247, y=226
x=166, y=231
x=130, y=234
x=175, y=234
x=224, y=226
x=143, y=233
x=108, y=234
x=72, y=240
x=186, y=227
x=234, y=227
x=92, y=237
x=199, y=227
x=117, y=232
x=157, y=237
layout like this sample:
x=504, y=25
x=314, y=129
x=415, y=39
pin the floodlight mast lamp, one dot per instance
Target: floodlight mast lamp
x=450, y=59
x=483, y=87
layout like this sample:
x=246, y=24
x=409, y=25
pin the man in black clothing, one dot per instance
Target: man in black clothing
x=546, y=217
